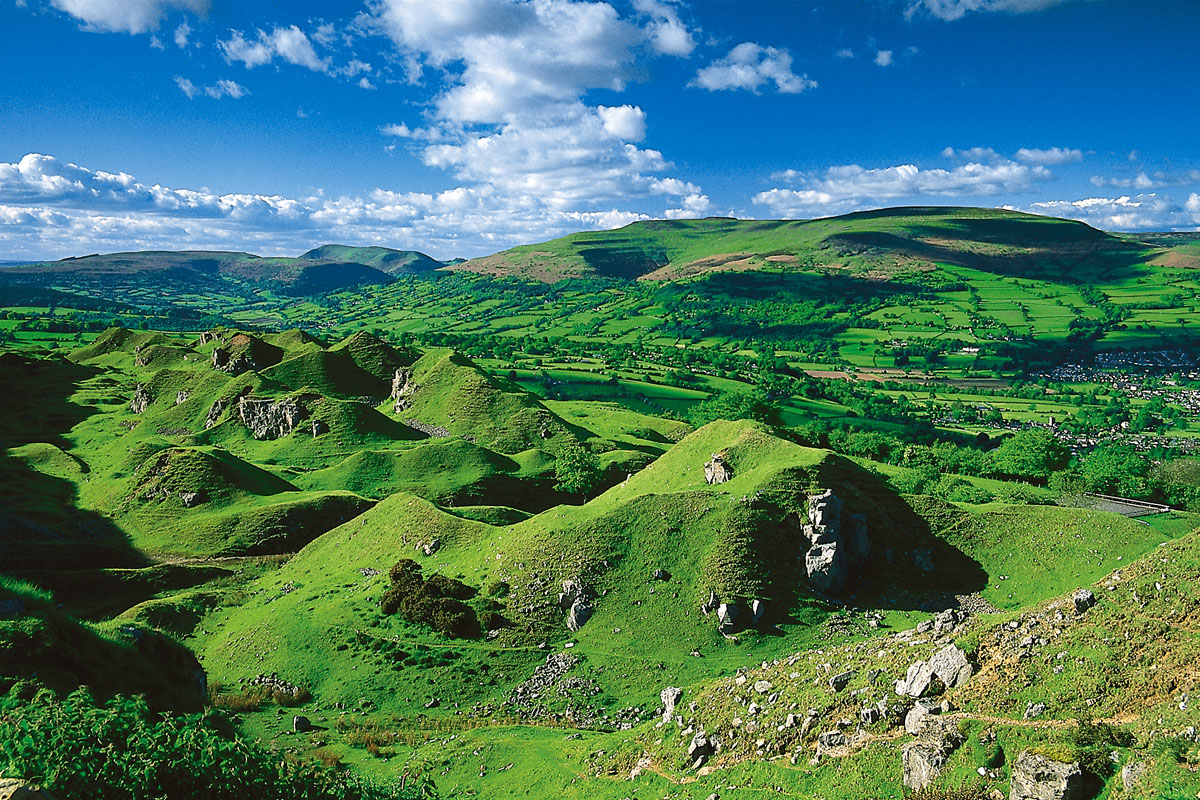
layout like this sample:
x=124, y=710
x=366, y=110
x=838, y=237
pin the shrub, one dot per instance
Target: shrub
x=77, y=748
x=436, y=601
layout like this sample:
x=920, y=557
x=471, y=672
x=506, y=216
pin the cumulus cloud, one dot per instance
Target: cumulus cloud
x=627, y=123
x=693, y=206
x=515, y=56
x=510, y=115
x=883, y=58
x=749, y=66
x=125, y=16
x=667, y=33
x=950, y=10
x=222, y=88
x=845, y=188
x=49, y=208
x=1140, y=212
x=181, y=35
x=288, y=43
x=1049, y=157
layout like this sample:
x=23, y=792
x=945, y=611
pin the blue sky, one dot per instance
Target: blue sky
x=461, y=127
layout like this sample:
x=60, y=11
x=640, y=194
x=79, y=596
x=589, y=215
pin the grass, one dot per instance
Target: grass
x=97, y=492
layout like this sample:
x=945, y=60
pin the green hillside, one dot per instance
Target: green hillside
x=866, y=507
x=381, y=258
x=880, y=243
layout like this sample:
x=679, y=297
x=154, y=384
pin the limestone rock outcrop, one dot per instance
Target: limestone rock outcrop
x=214, y=413
x=838, y=543
x=270, y=419
x=1035, y=777
x=669, y=696
x=922, y=760
x=141, y=399
x=949, y=665
x=576, y=599
x=717, y=470
x=403, y=390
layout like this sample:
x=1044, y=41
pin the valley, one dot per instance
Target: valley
x=686, y=509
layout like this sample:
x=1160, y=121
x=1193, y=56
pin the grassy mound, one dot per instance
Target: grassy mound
x=455, y=394
x=37, y=640
x=449, y=472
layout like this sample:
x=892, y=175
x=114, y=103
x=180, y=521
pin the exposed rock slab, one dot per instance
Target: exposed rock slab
x=1035, y=777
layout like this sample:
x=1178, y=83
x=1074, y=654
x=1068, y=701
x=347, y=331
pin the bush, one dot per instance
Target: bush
x=436, y=601
x=77, y=748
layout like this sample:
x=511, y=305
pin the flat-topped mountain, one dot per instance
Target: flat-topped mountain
x=875, y=244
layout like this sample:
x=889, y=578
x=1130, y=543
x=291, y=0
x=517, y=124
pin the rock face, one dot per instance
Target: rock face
x=214, y=413
x=1132, y=774
x=270, y=419
x=949, y=665
x=837, y=543
x=1083, y=600
x=923, y=760
x=141, y=399
x=191, y=499
x=182, y=396
x=1036, y=777
x=669, y=696
x=403, y=390
x=727, y=614
x=576, y=600
x=717, y=470
x=825, y=565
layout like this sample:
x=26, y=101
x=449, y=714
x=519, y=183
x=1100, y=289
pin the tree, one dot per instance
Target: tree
x=1030, y=454
x=576, y=470
x=753, y=405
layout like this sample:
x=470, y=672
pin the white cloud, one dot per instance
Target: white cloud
x=288, y=43
x=1140, y=212
x=397, y=130
x=49, y=208
x=1050, y=157
x=181, y=35
x=365, y=83
x=845, y=52
x=883, y=58
x=627, y=123
x=972, y=154
x=950, y=10
x=693, y=206
x=514, y=56
x=1144, y=181
x=125, y=16
x=510, y=116
x=667, y=33
x=748, y=66
x=845, y=188
x=222, y=88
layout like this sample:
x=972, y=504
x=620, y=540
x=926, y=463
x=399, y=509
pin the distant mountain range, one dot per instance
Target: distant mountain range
x=326, y=268
x=870, y=244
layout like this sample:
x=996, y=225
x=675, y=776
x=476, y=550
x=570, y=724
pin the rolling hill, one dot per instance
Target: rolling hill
x=874, y=244
x=323, y=269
